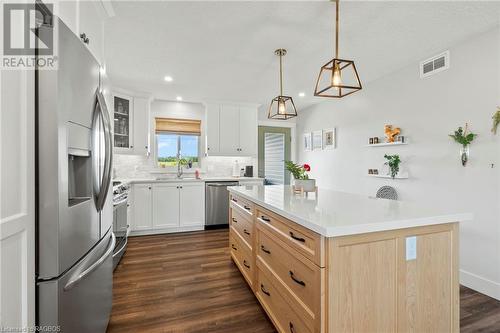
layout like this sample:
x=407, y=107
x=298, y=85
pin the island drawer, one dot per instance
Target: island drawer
x=308, y=243
x=301, y=277
x=241, y=204
x=285, y=316
x=243, y=225
x=242, y=256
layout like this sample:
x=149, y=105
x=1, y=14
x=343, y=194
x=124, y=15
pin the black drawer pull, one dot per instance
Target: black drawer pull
x=263, y=248
x=264, y=290
x=302, y=283
x=292, y=329
x=246, y=207
x=246, y=232
x=234, y=247
x=245, y=264
x=297, y=238
x=234, y=220
x=263, y=218
x=233, y=199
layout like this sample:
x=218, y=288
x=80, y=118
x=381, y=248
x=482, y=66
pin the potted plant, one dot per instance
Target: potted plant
x=465, y=139
x=301, y=178
x=393, y=161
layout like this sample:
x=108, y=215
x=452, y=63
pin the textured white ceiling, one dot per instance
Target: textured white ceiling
x=225, y=50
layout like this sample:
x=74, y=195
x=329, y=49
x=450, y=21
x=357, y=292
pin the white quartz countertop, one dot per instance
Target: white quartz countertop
x=187, y=179
x=336, y=213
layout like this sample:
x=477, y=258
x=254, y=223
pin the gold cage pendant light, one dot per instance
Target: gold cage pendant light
x=282, y=107
x=338, y=77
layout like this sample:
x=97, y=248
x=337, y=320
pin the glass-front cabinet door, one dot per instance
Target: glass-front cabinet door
x=123, y=133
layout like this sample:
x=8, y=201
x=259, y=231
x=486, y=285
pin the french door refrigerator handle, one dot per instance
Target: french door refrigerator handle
x=102, y=111
x=92, y=267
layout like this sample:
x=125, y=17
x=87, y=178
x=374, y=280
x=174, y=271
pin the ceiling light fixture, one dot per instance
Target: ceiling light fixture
x=338, y=77
x=302, y=94
x=282, y=107
x=168, y=78
x=179, y=98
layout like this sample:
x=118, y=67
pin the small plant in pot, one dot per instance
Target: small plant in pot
x=465, y=139
x=299, y=173
x=393, y=161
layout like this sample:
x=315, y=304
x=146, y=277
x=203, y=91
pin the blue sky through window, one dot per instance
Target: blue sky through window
x=167, y=145
x=189, y=145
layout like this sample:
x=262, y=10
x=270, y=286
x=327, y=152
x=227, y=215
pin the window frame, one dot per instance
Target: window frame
x=174, y=167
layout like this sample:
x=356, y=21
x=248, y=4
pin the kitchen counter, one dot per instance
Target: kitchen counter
x=339, y=213
x=187, y=179
x=343, y=262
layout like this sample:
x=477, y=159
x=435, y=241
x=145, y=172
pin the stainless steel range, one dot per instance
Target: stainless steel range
x=120, y=223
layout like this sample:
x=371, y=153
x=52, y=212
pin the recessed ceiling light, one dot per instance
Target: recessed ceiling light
x=168, y=78
x=302, y=94
x=179, y=98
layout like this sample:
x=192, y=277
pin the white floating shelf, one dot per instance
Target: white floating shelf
x=385, y=144
x=402, y=175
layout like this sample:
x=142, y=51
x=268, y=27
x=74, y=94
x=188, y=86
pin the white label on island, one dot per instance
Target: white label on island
x=411, y=248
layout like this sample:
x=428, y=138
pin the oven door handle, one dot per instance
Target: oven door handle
x=121, y=248
x=121, y=202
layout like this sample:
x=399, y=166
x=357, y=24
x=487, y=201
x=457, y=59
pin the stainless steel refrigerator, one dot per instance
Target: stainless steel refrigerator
x=74, y=200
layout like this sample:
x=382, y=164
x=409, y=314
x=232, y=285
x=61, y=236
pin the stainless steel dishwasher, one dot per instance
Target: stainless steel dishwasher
x=217, y=204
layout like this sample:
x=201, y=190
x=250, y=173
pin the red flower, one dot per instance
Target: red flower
x=307, y=167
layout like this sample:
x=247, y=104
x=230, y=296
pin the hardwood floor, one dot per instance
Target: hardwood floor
x=188, y=283
x=183, y=283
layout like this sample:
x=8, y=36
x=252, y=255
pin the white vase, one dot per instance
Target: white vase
x=308, y=185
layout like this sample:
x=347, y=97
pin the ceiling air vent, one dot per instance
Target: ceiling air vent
x=435, y=64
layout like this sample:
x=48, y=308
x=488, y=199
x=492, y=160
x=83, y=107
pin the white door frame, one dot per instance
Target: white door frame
x=17, y=199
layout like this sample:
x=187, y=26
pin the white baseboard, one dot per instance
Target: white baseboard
x=167, y=230
x=480, y=284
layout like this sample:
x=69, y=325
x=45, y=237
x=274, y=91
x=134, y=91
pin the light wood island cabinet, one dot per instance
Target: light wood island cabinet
x=401, y=279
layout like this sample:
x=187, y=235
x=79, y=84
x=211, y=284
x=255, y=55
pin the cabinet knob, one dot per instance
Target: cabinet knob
x=131, y=146
x=149, y=187
x=84, y=38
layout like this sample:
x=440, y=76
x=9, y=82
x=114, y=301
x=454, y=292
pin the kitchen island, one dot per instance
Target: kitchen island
x=343, y=262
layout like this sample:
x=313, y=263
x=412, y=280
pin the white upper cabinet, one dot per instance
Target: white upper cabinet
x=231, y=130
x=91, y=23
x=212, y=121
x=228, y=130
x=131, y=124
x=123, y=128
x=85, y=17
x=141, y=126
x=248, y=131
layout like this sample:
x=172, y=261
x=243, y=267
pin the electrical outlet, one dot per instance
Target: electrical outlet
x=411, y=248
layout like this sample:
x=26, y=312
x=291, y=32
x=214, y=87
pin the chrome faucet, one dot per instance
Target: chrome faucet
x=179, y=168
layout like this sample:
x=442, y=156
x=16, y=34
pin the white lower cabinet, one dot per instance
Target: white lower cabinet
x=192, y=204
x=141, y=207
x=167, y=207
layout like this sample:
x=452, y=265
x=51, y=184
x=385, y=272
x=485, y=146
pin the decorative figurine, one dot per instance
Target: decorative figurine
x=391, y=133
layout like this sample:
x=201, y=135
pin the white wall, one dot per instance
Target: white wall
x=427, y=110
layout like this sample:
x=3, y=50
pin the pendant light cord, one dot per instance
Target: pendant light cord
x=336, y=29
x=281, y=74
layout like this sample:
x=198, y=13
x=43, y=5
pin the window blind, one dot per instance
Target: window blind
x=178, y=126
x=274, y=158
